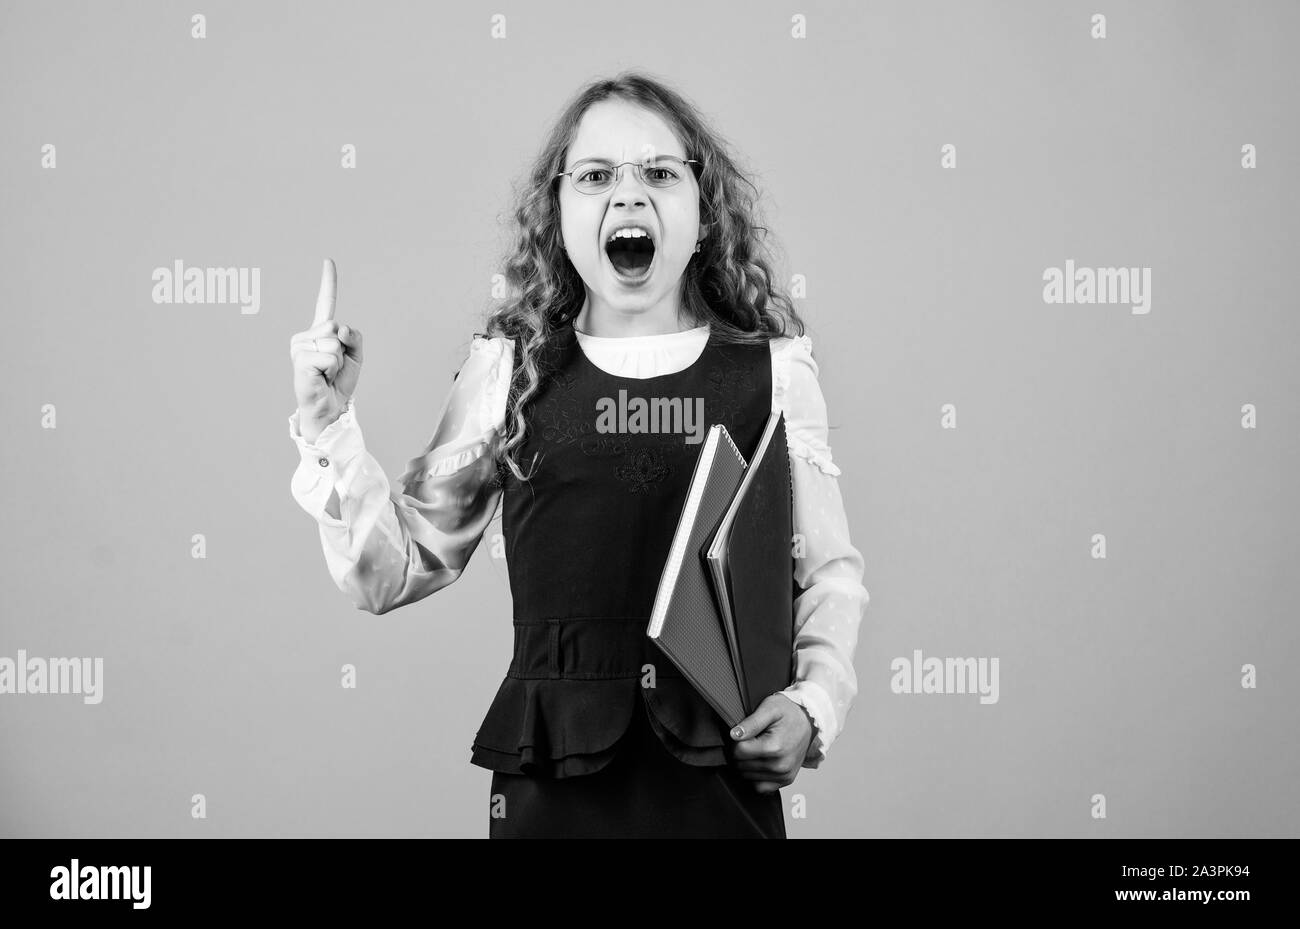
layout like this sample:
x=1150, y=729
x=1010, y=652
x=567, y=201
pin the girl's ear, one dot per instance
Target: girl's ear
x=705, y=229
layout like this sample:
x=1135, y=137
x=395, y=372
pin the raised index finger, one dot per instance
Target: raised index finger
x=329, y=285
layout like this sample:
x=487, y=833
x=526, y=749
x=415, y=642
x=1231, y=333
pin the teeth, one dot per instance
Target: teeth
x=629, y=233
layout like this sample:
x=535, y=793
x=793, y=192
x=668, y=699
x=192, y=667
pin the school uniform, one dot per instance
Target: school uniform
x=577, y=744
x=593, y=731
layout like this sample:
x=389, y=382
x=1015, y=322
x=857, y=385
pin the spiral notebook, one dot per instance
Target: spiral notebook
x=730, y=633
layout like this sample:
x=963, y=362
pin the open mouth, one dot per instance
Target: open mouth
x=631, y=256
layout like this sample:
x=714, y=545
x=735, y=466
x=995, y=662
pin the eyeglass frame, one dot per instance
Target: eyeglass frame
x=618, y=173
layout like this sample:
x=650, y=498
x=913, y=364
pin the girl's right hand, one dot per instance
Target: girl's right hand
x=326, y=362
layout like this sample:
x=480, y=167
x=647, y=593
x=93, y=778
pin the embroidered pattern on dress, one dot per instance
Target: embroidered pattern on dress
x=603, y=446
x=558, y=415
x=643, y=467
x=731, y=383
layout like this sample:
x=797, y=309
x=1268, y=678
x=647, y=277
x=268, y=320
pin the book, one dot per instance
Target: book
x=752, y=568
x=723, y=612
x=685, y=622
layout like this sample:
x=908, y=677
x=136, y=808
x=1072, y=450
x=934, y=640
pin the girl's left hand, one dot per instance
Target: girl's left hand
x=772, y=743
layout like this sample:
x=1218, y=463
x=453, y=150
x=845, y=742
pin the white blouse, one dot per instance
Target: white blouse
x=386, y=548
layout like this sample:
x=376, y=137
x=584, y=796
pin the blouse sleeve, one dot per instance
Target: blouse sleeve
x=828, y=569
x=387, y=547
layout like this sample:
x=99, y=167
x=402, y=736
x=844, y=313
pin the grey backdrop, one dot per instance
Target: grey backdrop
x=1120, y=677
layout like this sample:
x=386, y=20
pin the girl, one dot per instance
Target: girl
x=637, y=268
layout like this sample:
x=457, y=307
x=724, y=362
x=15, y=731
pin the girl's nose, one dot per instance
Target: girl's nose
x=629, y=187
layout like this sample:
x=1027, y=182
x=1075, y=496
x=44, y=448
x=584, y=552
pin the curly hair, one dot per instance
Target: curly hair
x=727, y=284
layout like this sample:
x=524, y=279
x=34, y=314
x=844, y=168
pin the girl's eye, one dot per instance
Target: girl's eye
x=588, y=176
x=663, y=174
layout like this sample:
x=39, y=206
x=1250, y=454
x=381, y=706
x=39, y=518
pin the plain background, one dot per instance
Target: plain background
x=1119, y=677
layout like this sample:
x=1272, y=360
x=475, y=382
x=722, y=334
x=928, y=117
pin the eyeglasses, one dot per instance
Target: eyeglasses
x=595, y=176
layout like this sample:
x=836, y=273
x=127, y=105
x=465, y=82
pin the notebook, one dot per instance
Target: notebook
x=685, y=622
x=752, y=569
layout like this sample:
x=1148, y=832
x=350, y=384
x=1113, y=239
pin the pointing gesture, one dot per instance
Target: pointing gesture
x=326, y=361
x=329, y=288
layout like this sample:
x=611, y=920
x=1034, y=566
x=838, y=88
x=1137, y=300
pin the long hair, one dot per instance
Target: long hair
x=727, y=284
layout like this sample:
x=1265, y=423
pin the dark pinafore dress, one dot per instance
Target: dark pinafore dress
x=579, y=745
